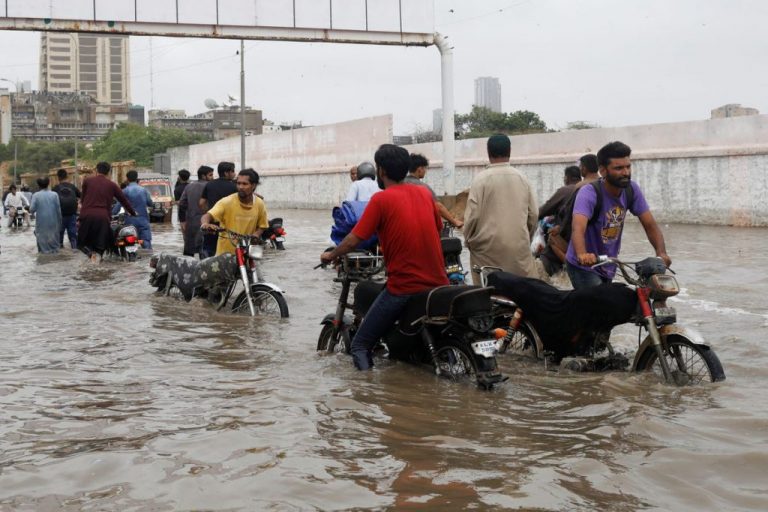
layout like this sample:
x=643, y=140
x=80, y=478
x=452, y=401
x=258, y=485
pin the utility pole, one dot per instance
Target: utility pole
x=15, y=157
x=76, y=178
x=242, y=104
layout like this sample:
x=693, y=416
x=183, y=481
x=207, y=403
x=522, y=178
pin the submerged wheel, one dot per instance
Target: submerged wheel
x=455, y=362
x=523, y=342
x=131, y=256
x=279, y=246
x=328, y=343
x=690, y=363
x=266, y=302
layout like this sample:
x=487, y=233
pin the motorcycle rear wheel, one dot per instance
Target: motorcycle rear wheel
x=455, y=362
x=266, y=302
x=523, y=343
x=690, y=363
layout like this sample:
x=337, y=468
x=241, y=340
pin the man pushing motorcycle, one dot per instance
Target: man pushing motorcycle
x=408, y=226
x=598, y=218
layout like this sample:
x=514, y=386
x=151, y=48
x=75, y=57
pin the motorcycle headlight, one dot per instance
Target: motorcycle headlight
x=480, y=323
x=255, y=252
x=663, y=285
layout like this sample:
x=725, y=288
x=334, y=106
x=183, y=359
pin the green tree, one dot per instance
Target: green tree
x=140, y=143
x=482, y=122
x=581, y=125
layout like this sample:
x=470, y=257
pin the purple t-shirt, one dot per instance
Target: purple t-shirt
x=604, y=236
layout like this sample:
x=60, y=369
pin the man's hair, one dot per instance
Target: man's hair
x=132, y=176
x=589, y=161
x=612, y=150
x=12, y=187
x=224, y=168
x=184, y=174
x=253, y=176
x=394, y=160
x=202, y=171
x=61, y=174
x=43, y=182
x=499, y=146
x=417, y=161
x=103, y=167
x=572, y=173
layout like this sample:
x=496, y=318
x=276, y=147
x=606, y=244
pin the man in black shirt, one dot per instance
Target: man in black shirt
x=68, y=198
x=181, y=183
x=215, y=190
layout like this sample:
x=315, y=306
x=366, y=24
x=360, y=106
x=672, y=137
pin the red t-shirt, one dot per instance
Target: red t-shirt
x=406, y=219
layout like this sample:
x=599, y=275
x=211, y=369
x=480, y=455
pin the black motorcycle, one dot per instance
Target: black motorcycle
x=125, y=239
x=275, y=234
x=448, y=328
x=570, y=329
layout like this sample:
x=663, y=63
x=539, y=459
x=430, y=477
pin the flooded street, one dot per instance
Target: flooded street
x=114, y=398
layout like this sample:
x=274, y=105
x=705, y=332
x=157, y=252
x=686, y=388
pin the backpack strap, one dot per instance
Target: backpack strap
x=629, y=195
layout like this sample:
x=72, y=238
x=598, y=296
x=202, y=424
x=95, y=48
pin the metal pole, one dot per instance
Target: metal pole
x=76, y=178
x=449, y=150
x=15, y=157
x=242, y=104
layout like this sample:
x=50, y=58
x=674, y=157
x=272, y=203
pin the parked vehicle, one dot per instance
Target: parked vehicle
x=126, y=239
x=217, y=279
x=571, y=328
x=161, y=192
x=447, y=328
x=274, y=235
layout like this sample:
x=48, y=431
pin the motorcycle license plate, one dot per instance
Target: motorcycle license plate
x=131, y=248
x=279, y=239
x=485, y=348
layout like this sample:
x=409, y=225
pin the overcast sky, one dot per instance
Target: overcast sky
x=609, y=62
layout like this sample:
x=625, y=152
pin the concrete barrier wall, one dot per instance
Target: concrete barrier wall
x=706, y=172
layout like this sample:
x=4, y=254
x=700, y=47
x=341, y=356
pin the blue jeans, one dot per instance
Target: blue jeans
x=384, y=312
x=581, y=278
x=69, y=224
x=142, y=226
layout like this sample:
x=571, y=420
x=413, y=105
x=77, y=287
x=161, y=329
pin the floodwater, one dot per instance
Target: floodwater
x=114, y=398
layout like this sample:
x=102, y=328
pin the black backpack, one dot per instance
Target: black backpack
x=565, y=215
x=67, y=199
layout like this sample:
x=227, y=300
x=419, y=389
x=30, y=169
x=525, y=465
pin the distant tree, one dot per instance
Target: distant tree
x=421, y=135
x=140, y=143
x=482, y=122
x=581, y=125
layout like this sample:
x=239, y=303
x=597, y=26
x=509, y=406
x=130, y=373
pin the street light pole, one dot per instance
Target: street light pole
x=242, y=104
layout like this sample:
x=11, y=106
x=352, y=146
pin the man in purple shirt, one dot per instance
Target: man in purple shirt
x=603, y=235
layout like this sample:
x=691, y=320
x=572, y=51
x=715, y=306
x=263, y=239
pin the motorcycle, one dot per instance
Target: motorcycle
x=126, y=239
x=216, y=279
x=448, y=328
x=16, y=217
x=452, y=255
x=571, y=328
x=275, y=234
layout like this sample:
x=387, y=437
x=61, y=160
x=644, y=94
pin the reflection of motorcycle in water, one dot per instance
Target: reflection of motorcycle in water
x=274, y=234
x=448, y=328
x=125, y=239
x=216, y=279
x=571, y=328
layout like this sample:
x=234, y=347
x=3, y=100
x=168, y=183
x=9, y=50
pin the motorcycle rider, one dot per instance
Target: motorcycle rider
x=242, y=212
x=419, y=166
x=17, y=200
x=141, y=201
x=365, y=186
x=603, y=237
x=408, y=225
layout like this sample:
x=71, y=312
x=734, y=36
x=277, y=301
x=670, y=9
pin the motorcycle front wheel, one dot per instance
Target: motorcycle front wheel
x=266, y=302
x=689, y=363
x=454, y=361
x=326, y=342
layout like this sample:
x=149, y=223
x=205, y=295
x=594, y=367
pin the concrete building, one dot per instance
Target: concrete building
x=488, y=93
x=50, y=116
x=733, y=110
x=218, y=124
x=78, y=62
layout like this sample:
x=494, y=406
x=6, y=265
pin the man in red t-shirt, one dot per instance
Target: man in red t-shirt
x=408, y=225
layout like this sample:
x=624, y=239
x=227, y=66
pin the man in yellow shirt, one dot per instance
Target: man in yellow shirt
x=243, y=212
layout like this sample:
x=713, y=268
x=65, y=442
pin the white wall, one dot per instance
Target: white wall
x=708, y=172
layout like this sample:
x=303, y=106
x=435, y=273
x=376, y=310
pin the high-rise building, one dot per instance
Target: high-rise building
x=488, y=93
x=97, y=65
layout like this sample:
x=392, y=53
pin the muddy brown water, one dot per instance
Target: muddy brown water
x=114, y=398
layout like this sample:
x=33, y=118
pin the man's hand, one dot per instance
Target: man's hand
x=183, y=226
x=587, y=259
x=326, y=258
x=457, y=223
x=208, y=227
x=665, y=257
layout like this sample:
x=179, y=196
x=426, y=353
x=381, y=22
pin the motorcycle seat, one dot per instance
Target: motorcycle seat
x=457, y=301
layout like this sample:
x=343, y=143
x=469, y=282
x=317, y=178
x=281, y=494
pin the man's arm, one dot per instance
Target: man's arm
x=33, y=205
x=347, y=245
x=655, y=236
x=150, y=204
x=553, y=203
x=24, y=200
x=470, y=215
x=352, y=192
x=533, y=211
x=446, y=214
x=578, y=231
x=123, y=200
x=182, y=213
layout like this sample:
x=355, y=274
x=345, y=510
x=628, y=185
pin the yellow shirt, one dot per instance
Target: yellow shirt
x=238, y=217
